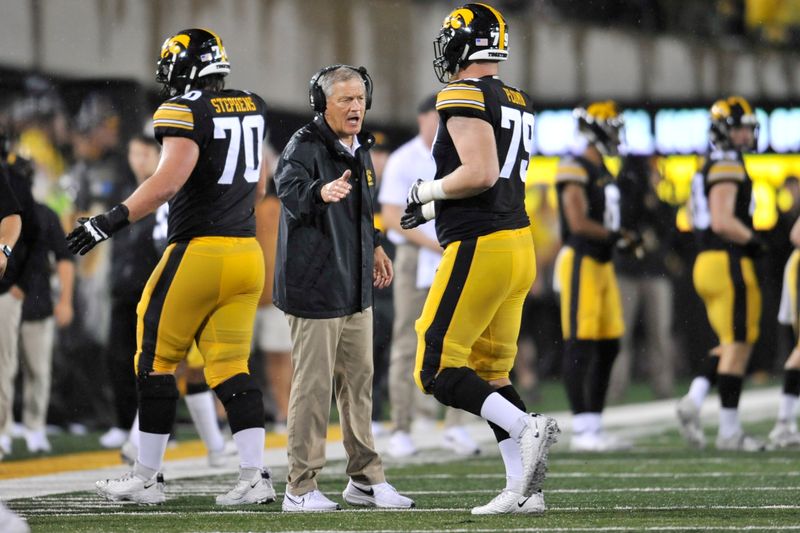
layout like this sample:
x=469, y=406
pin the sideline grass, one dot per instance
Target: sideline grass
x=659, y=486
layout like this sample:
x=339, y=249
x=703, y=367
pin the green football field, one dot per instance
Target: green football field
x=661, y=485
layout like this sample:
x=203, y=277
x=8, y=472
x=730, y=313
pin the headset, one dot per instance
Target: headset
x=316, y=96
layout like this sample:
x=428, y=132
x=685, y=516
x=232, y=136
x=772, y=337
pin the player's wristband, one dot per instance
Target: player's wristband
x=429, y=210
x=430, y=191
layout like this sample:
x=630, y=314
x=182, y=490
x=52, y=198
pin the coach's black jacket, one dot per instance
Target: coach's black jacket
x=323, y=266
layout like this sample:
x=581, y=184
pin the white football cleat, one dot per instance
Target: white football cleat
x=510, y=502
x=741, y=442
x=37, y=442
x=10, y=522
x=535, y=440
x=459, y=441
x=382, y=495
x=598, y=442
x=689, y=418
x=254, y=491
x=132, y=488
x=310, y=502
x=784, y=435
x=401, y=445
x=113, y=438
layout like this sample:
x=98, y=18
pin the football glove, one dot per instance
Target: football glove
x=423, y=192
x=417, y=214
x=94, y=230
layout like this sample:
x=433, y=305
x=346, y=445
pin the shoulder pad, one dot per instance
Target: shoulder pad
x=726, y=170
x=571, y=170
x=461, y=93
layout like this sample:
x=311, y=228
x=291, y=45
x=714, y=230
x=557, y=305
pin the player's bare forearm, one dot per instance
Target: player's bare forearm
x=576, y=208
x=477, y=149
x=178, y=159
x=66, y=279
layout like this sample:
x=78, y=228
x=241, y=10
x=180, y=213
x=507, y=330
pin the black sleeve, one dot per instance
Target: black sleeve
x=8, y=201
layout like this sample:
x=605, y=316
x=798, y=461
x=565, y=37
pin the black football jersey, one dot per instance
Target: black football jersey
x=510, y=113
x=603, y=199
x=229, y=127
x=721, y=167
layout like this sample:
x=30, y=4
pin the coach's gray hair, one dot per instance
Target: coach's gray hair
x=327, y=80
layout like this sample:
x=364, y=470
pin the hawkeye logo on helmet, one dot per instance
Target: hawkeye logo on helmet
x=458, y=18
x=175, y=45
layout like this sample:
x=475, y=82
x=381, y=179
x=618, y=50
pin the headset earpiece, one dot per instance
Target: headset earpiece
x=316, y=96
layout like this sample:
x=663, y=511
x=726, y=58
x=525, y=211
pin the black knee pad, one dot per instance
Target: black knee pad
x=196, y=388
x=509, y=393
x=242, y=400
x=158, y=398
x=462, y=388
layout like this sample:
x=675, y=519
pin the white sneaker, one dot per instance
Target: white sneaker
x=113, y=438
x=784, y=435
x=598, y=442
x=258, y=490
x=689, y=418
x=510, y=502
x=17, y=430
x=459, y=441
x=132, y=488
x=313, y=501
x=5, y=444
x=741, y=442
x=401, y=445
x=378, y=429
x=220, y=458
x=10, y=522
x=382, y=495
x=129, y=452
x=37, y=441
x=535, y=440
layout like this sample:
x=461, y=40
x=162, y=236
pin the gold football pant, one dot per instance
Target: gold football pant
x=206, y=290
x=473, y=310
x=591, y=308
x=729, y=288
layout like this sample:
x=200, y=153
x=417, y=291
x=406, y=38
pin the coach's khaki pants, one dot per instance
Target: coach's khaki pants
x=36, y=341
x=331, y=355
x=10, y=316
x=406, y=400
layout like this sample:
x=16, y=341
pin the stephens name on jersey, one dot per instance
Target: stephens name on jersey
x=229, y=126
x=510, y=113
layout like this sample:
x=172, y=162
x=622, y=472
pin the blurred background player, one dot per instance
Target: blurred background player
x=467, y=332
x=724, y=272
x=591, y=310
x=207, y=284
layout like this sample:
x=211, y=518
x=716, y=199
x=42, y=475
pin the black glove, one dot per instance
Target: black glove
x=413, y=195
x=756, y=246
x=417, y=214
x=627, y=241
x=91, y=231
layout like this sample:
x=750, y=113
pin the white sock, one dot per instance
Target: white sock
x=512, y=459
x=500, y=411
x=133, y=435
x=594, y=422
x=786, y=407
x=151, y=449
x=250, y=443
x=729, y=424
x=204, y=415
x=579, y=423
x=698, y=390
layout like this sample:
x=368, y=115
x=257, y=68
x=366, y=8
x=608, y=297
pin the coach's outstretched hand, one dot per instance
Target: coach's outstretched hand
x=94, y=230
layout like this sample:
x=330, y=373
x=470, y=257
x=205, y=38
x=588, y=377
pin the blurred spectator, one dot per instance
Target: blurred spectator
x=134, y=256
x=39, y=320
x=13, y=286
x=383, y=309
x=645, y=282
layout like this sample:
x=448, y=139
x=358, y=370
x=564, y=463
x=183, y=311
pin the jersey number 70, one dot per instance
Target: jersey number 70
x=248, y=131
